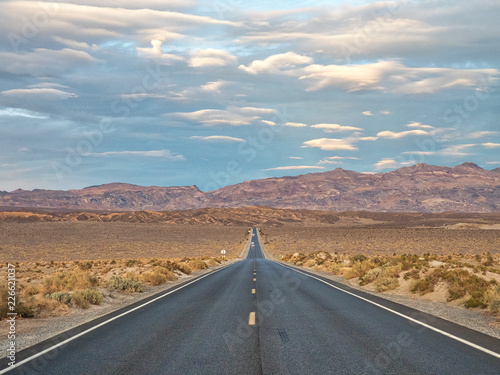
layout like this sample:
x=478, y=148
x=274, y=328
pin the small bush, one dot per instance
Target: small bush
x=132, y=262
x=371, y=276
x=85, y=266
x=358, y=269
x=116, y=282
x=197, y=264
x=86, y=297
x=358, y=258
x=413, y=274
x=62, y=297
x=154, y=278
x=386, y=283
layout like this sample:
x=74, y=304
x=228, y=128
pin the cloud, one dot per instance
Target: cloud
x=217, y=138
x=270, y=123
x=388, y=163
x=330, y=144
x=234, y=116
x=483, y=133
x=335, y=128
x=367, y=113
x=276, y=63
x=392, y=135
x=491, y=145
x=296, y=157
x=39, y=94
x=326, y=161
x=14, y=112
x=453, y=150
x=419, y=125
x=295, y=124
x=164, y=154
x=43, y=62
x=294, y=167
x=385, y=112
x=211, y=57
x=73, y=44
x=156, y=52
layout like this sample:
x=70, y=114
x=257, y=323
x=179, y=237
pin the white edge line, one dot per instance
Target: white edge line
x=475, y=346
x=105, y=322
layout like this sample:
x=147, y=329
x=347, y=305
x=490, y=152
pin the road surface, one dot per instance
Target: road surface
x=259, y=317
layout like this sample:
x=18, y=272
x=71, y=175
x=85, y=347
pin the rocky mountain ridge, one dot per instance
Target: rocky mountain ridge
x=419, y=188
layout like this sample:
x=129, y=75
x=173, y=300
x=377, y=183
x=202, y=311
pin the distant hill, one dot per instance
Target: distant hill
x=419, y=188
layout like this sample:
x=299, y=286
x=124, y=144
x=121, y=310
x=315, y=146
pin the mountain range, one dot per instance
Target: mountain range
x=418, y=188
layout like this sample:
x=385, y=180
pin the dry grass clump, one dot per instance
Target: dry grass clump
x=129, y=284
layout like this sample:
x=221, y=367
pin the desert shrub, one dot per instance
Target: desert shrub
x=423, y=286
x=30, y=290
x=386, y=283
x=84, y=298
x=197, y=264
x=22, y=309
x=358, y=269
x=413, y=274
x=391, y=271
x=336, y=269
x=358, y=258
x=184, y=268
x=491, y=298
x=370, y=276
x=62, y=297
x=132, y=262
x=118, y=283
x=170, y=276
x=85, y=266
x=67, y=281
x=154, y=278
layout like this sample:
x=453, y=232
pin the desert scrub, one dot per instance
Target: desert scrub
x=370, y=276
x=62, y=297
x=358, y=269
x=386, y=283
x=22, y=310
x=118, y=283
x=491, y=298
x=413, y=274
x=154, y=278
x=84, y=298
x=197, y=264
x=68, y=281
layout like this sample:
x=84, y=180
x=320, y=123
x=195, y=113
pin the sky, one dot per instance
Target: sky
x=212, y=93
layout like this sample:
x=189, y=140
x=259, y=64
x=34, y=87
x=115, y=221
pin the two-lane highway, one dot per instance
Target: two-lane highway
x=260, y=317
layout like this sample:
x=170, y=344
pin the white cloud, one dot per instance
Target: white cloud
x=483, y=133
x=326, y=161
x=74, y=44
x=40, y=94
x=270, y=123
x=342, y=158
x=156, y=52
x=454, y=150
x=294, y=167
x=392, y=135
x=385, y=112
x=211, y=57
x=335, y=128
x=330, y=144
x=491, y=145
x=231, y=116
x=367, y=113
x=276, y=63
x=388, y=163
x=14, y=112
x=217, y=138
x=164, y=154
x=296, y=157
x=419, y=125
x=295, y=124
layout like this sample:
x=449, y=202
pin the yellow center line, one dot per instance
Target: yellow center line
x=251, y=319
x=253, y=291
x=254, y=279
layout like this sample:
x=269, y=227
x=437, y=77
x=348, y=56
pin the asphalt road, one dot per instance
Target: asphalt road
x=303, y=325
